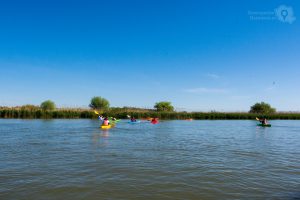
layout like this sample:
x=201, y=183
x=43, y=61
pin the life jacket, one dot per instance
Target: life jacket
x=154, y=121
x=105, y=122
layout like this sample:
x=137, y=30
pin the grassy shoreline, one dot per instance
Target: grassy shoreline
x=121, y=113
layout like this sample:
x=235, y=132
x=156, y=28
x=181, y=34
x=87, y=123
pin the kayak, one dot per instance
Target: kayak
x=136, y=122
x=264, y=125
x=154, y=122
x=106, y=127
x=117, y=120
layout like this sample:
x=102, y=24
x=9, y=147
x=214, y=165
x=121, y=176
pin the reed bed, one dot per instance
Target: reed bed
x=122, y=113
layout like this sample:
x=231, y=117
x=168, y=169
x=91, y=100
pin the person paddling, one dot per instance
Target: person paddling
x=133, y=119
x=100, y=118
x=105, y=122
x=154, y=120
x=263, y=121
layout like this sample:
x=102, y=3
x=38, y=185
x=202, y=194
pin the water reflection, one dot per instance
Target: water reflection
x=100, y=137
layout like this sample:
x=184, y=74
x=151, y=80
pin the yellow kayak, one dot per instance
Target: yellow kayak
x=106, y=127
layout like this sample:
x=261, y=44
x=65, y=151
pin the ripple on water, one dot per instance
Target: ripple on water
x=74, y=159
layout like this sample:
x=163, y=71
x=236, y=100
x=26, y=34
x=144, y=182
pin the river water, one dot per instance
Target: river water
x=74, y=159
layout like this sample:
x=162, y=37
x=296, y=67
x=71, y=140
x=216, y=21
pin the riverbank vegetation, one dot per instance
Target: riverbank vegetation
x=38, y=113
x=162, y=110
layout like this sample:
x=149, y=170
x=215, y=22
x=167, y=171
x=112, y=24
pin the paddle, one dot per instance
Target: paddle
x=98, y=115
x=257, y=119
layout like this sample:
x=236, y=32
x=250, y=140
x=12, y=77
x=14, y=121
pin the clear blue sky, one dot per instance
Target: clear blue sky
x=204, y=55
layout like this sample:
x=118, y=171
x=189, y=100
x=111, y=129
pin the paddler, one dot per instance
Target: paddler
x=100, y=118
x=263, y=121
x=154, y=120
x=105, y=122
x=133, y=119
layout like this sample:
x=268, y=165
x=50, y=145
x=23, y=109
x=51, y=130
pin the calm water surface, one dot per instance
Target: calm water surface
x=74, y=159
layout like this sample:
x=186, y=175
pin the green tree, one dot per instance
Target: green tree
x=48, y=105
x=164, y=106
x=262, y=108
x=99, y=103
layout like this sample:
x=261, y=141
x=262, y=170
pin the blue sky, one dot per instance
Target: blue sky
x=205, y=55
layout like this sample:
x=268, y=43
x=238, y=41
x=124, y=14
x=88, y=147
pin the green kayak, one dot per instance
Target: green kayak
x=264, y=125
x=117, y=120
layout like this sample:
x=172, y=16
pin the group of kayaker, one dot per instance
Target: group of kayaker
x=152, y=120
x=105, y=120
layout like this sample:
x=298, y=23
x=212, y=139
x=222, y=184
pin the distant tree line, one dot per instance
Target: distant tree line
x=163, y=110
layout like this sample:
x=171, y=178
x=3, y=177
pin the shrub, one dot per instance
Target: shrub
x=262, y=108
x=164, y=106
x=99, y=103
x=48, y=105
